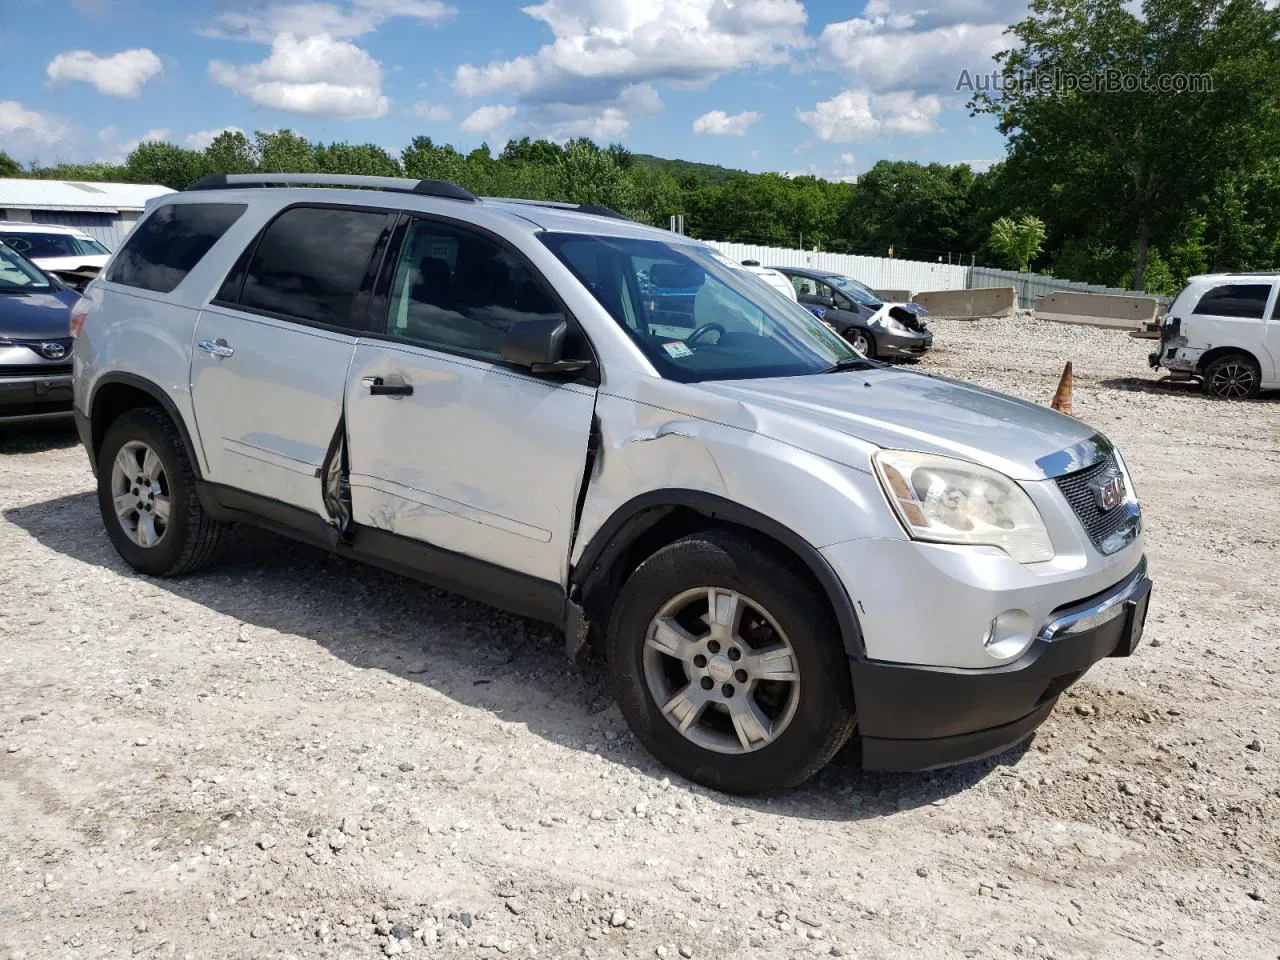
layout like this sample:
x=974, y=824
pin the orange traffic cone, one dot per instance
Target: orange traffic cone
x=1062, y=399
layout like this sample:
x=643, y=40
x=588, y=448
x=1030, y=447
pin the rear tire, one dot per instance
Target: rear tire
x=1233, y=376
x=147, y=497
x=753, y=730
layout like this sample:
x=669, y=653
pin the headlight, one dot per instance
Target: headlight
x=943, y=500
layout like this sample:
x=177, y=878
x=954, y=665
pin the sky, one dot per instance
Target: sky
x=799, y=86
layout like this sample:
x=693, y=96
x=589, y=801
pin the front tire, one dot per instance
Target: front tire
x=147, y=497
x=728, y=665
x=1235, y=376
x=862, y=341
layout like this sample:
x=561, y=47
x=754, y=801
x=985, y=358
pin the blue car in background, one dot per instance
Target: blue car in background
x=35, y=342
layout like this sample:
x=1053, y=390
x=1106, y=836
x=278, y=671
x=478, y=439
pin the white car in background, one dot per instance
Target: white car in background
x=778, y=281
x=54, y=248
x=1225, y=329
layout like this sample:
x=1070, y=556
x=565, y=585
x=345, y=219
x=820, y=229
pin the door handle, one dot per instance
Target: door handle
x=393, y=386
x=217, y=347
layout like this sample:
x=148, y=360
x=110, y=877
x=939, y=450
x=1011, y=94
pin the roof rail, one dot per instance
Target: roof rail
x=593, y=209
x=429, y=188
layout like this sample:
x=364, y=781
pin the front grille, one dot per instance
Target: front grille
x=35, y=370
x=1078, y=489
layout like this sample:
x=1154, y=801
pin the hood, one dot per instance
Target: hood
x=98, y=260
x=36, y=316
x=910, y=411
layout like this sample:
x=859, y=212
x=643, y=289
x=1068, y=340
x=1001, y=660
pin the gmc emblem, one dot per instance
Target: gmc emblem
x=1109, y=492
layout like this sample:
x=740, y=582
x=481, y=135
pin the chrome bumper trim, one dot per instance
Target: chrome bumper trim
x=1094, y=613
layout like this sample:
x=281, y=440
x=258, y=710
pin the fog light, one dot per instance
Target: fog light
x=1009, y=635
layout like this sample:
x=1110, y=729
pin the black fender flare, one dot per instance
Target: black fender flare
x=639, y=514
x=162, y=399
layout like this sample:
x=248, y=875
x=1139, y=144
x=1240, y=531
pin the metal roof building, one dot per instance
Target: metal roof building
x=105, y=211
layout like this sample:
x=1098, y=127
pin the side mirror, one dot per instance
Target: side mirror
x=538, y=345
x=829, y=302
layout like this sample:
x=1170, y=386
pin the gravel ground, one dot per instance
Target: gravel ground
x=295, y=756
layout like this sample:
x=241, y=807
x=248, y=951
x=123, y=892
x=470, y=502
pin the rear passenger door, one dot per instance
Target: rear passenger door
x=272, y=350
x=449, y=445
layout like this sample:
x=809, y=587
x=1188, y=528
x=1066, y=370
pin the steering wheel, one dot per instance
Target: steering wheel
x=705, y=328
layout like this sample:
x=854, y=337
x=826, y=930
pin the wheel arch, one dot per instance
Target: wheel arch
x=118, y=393
x=1216, y=353
x=646, y=523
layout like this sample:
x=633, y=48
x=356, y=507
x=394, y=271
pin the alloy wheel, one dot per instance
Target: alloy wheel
x=1232, y=381
x=721, y=670
x=140, y=492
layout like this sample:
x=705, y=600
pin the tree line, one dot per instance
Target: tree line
x=1119, y=187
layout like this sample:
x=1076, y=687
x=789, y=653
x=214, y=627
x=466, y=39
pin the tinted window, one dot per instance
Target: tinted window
x=165, y=247
x=460, y=292
x=1247, y=300
x=312, y=262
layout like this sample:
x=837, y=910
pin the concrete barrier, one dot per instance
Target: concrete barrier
x=894, y=296
x=969, y=304
x=1097, y=310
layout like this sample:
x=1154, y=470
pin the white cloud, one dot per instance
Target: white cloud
x=113, y=150
x=599, y=121
x=202, y=138
x=490, y=120
x=890, y=53
x=854, y=116
x=907, y=113
x=313, y=75
x=263, y=22
x=718, y=123
x=845, y=118
x=24, y=131
x=602, y=48
x=431, y=112
x=122, y=74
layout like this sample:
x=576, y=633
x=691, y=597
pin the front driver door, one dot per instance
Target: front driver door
x=449, y=445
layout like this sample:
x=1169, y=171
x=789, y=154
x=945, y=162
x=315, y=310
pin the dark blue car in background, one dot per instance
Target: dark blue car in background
x=35, y=342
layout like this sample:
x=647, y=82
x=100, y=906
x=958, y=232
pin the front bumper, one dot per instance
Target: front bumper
x=913, y=717
x=902, y=345
x=29, y=399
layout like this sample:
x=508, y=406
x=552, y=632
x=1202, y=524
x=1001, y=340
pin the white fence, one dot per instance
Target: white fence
x=878, y=273
x=883, y=273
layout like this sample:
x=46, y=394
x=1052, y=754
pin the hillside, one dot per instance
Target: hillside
x=710, y=173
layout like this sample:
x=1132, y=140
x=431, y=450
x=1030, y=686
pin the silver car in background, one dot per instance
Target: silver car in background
x=775, y=543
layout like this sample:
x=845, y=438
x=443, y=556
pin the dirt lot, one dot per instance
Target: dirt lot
x=294, y=756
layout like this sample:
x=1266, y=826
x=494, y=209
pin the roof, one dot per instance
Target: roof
x=25, y=226
x=76, y=196
x=807, y=271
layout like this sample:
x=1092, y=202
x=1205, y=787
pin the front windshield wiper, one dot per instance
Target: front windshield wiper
x=852, y=363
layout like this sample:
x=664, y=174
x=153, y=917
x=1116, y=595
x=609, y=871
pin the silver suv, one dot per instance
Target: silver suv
x=775, y=543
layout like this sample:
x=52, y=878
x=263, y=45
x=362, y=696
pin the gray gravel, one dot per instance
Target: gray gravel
x=295, y=756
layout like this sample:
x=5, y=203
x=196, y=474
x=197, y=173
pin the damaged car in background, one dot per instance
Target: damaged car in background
x=878, y=330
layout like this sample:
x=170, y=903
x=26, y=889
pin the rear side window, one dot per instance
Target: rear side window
x=313, y=263
x=1245, y=300
x=166, y=246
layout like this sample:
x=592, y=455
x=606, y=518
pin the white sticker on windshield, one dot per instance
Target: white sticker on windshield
x=677, y=349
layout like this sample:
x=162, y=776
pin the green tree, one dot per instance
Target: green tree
x=917, y=208
x=363, y=159
x=1134, y=163
x=423, y=160
x=283, y=151
x=1019, y=242
x=587, y=174
x=8, y=166
x=166, y=164
x=230, y=152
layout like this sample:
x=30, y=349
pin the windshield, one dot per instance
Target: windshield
x=858, y=292
x=17, y=275
x=696, y=315
x=53, y=245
